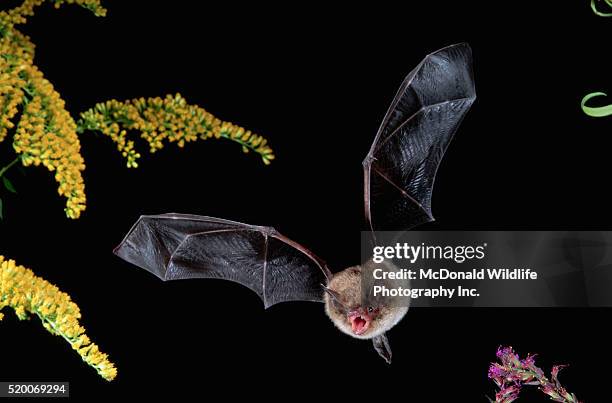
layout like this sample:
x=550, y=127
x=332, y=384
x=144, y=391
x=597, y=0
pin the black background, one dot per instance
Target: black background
x=316, y=79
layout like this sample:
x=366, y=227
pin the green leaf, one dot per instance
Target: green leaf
x=599, y=13
x=595, y=111
x=1, y=215
x=8, y=185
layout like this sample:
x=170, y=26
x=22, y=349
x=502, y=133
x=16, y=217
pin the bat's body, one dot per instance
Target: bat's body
x=399, y=174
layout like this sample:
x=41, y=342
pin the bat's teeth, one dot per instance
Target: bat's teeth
x=359, y=324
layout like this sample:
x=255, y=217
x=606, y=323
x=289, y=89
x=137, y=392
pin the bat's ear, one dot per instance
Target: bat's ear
x=382, y=347
x=335, y=297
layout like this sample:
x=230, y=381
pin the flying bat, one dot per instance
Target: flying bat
x=399, y=173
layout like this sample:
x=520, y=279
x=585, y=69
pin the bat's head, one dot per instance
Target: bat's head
x=358, y=317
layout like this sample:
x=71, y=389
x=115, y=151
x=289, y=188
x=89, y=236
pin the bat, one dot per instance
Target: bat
x=399, y=173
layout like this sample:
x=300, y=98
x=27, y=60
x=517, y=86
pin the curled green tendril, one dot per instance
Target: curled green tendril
x=599, y=13
x=597, y=112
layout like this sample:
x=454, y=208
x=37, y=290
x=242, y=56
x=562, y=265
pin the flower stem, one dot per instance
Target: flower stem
x=7, y=167
x=247, y=145
x=50, y=323
x=599, y=13
x=239, y=141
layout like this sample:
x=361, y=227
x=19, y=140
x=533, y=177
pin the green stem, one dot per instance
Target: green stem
x=247, y=145
x=57, y=331
x=595, y=111
x=239, y=141
x=599, y=13
x=70, y=341
x=7, y=167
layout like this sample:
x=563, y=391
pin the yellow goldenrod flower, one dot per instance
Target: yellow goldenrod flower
x=169, y=119
x=19, y=15
x=29, y=295
x=45, y=134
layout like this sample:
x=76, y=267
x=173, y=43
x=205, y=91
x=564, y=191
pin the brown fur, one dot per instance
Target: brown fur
x=347, y=284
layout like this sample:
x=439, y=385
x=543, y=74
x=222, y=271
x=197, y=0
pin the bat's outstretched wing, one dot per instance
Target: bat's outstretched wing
x=178, y=246
x=427, y=110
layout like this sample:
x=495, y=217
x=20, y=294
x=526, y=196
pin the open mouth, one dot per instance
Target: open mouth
x=359, y=323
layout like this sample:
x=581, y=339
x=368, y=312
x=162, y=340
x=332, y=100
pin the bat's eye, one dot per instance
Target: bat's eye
x=370, y=309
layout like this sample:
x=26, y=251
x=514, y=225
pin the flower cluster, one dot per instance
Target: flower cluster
x=28, y=295
x=169, y=119
x=512, y=373
x=12, y=55
x=20, y=14
x=45, y=133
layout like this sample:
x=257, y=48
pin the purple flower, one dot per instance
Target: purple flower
x=555, y=372
x=549, y=390
x=497, y=371
x=529, y=361
x=507, y=395
x=513, y=373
